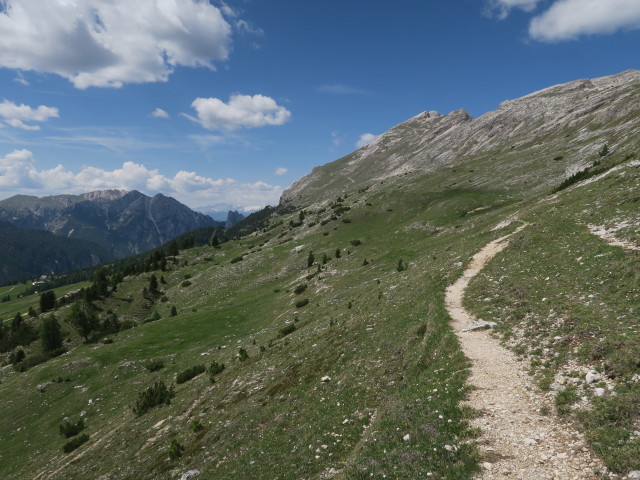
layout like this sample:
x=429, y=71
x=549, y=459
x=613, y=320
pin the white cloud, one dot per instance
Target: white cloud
x=16, y=115
x=159, y=113
x=242, y=111
x=569, y=19
x=107, y=43
x=365, y=139
x=19, y=174
x=281, y=171
x=502, y=8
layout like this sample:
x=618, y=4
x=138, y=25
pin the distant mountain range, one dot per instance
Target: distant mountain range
x=110, y=223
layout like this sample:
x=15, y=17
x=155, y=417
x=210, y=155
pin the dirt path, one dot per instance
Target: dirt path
x=517, y=441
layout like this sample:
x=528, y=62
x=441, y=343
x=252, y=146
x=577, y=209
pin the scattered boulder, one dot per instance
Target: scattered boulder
x=592, y=377
x=325, y=379
x=43, y=386
x=480, y=324
x=190, y=474
x=635, y=474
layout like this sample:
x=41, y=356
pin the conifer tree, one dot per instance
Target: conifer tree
x=50, y=333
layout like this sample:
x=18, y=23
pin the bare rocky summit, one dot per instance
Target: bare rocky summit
x=566, y=122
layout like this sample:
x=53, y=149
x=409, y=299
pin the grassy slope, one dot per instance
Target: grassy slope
x=9, y=309
x=381, y=335
x=568, y=302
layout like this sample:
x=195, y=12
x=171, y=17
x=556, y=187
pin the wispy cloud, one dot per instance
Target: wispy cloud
x=340, y=89
x=280, y=171
x=502, y=8
x=115, y=139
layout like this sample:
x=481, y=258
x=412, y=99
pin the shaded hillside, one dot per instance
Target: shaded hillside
x=28, y=253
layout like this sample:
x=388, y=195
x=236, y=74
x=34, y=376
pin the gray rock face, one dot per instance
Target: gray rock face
x=233, y=217
x=572, y=121
x=122, y=222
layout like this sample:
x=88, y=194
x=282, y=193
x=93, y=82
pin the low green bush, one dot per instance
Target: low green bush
x=176, y=449
x=286, y=330
x=153, y=396
x=215, y=368
x=302, y=303
x=154, y=365
x=68, y=429
x=189, y=373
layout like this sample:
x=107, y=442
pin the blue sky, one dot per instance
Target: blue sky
x=229, y=103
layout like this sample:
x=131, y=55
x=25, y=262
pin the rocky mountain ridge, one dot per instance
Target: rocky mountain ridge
x=120, y=221
x=574, y=120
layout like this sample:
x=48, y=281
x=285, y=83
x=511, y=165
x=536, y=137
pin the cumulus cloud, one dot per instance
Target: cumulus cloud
x=281, y=171
x=106, y=43
x=16, y=115
x=242, y=111
x=569, y=19
x=159, y=113
x=365, y=139
x=502, y=8
x=19, y=174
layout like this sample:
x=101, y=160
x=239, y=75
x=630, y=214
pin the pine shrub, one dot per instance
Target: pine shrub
x=189, y=373
x=153, y=396
x=68, y=429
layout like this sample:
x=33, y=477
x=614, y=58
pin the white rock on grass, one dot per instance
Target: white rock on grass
x=325, y=379
x=591, y=377
x=635, y=474
x=478, y=324
x=190, y=474
x=599, y=392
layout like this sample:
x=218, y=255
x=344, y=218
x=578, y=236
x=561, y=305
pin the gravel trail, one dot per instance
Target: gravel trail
x=517, y=440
